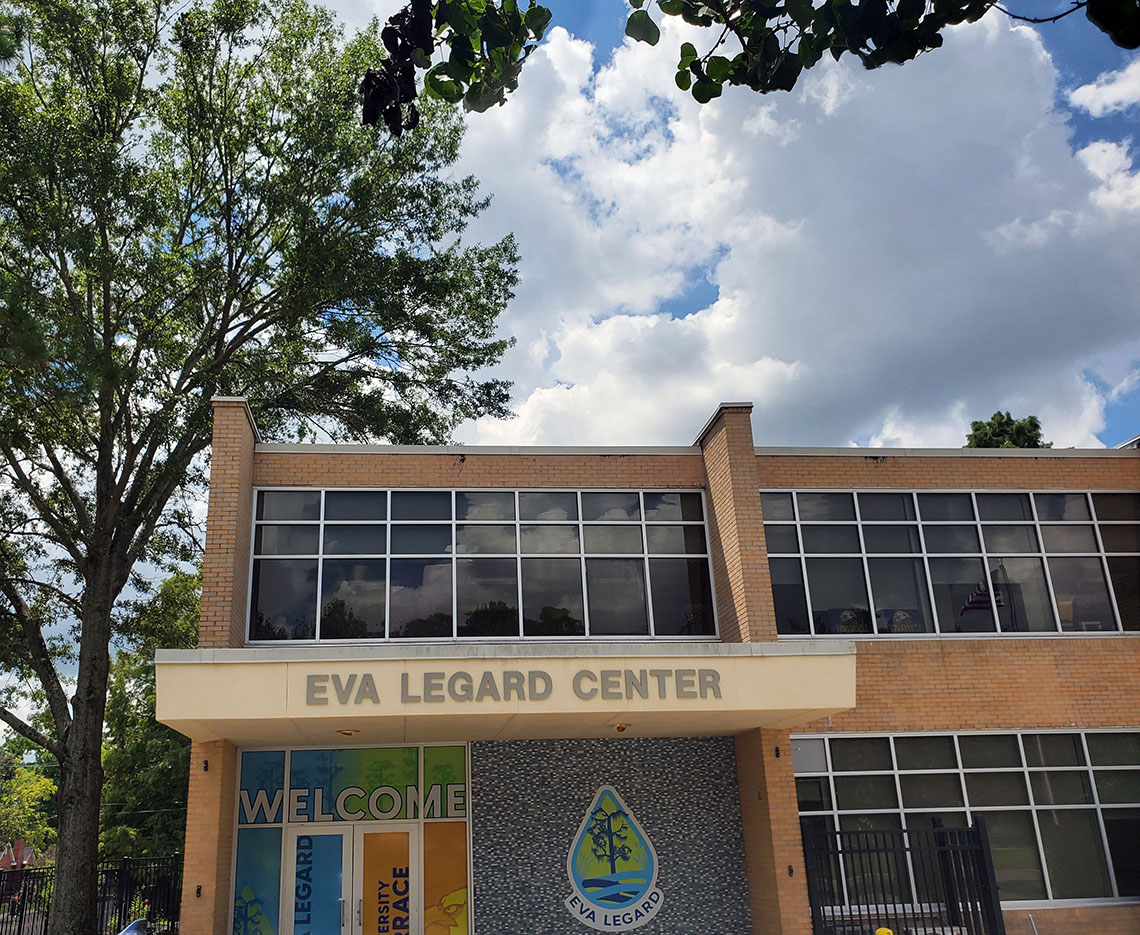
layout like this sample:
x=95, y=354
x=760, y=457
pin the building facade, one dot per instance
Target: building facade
x=554, y=690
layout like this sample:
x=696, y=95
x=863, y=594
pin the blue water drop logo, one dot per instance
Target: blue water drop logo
x=613, y=868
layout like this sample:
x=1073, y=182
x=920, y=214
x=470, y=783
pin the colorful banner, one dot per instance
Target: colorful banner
x=445, y=878
x=257, y=881
x=387, y=883
x=318, y=884
x=372, y=784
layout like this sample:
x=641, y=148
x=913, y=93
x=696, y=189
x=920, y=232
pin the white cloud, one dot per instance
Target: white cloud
x=889, y=254
x=1112, y=91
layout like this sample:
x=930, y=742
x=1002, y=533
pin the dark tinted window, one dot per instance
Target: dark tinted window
x=682, y=597
x=421, y=504
x=549, y=539
x=552, y=597
x=788, y=595
x=672, y=507
x=886, y=506
x=961, y=595
x=611, y=507
x=289, y=504
x=285, y=540
x=781, y=538
x=550, y=505
x=486, y=540
x=353, y=594
x=1120, y=538
x=1004, y=506
x=615, y=590
x=1061, y=506
x=825, y=506
x=487, y=597
x=420, y=598
x=891, y=539
x=937, y=507
x=902, y=604
x=356, y=540
x=1023, y=602
x=1117, y=505
x=1124, y=570
x=356, y=504
x=612, y=539
x=1010, y=539
x=421, y=540
x=284, y=599
x=484, y=504
x=776, y=506
x=838, y=595
x=830, y=538
x=684, y=540
x=1082, y=594
x=951, y=538
x=1069, y=539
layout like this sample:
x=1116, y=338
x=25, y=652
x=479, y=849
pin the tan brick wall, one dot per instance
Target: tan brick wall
x=772, y=844
x=1011, y=473
x=225, y=567
x=209, y=839
x=992, y=684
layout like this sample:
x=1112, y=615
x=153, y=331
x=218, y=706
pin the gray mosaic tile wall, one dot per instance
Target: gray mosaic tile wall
x=528, y=799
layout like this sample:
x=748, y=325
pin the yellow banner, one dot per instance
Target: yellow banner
x=445, y=878
x=387, y=883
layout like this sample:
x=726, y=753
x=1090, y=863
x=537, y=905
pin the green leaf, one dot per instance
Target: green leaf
x=705, y=91
x=537, y=19
x=718, y=68
x=637, y=4
x=683, y=79
x=671, y=7
x=688, y=54
x=441, y=86
x=640, y=27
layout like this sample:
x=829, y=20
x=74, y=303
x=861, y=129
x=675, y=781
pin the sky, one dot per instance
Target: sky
x=875, y=258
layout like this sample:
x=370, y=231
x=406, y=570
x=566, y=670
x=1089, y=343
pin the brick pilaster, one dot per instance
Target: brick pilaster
x=740, y=564
x=209, y=839
x=772, y=844
x=225, y=567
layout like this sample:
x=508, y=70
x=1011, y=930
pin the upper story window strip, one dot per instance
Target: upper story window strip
x=443, y=564
x=953, y=562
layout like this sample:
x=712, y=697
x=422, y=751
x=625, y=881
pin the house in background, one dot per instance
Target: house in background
x=715, y=688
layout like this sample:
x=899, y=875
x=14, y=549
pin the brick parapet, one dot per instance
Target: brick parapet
x=736, y=528
x=225, y=565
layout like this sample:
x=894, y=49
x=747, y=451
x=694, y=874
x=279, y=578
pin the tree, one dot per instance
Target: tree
x=760, y=44
x=609, y=836
x=24, y=792
x=190, y=207
x=146, y=764
x=1004, y=431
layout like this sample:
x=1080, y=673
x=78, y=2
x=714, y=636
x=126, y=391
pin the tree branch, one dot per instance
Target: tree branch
x=24, y=729
x=39, y=657
x=1077, y=5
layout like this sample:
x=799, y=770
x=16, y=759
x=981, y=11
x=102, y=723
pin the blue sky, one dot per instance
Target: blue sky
x=876, y=258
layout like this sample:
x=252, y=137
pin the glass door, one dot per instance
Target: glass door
x=387, y=896
x=317, y=876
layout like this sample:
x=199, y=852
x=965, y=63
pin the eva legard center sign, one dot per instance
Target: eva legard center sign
x=463, y=686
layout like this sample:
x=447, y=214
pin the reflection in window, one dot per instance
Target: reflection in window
x=1057, y=507
x=284, y=599
x=1069, y=539
x=830, y=538
x=612, y=539
x=1120, y=538
x=886, y=506
x=880, y=539
x=353, y=593
x=611, y=507
x=486, y=592
x=825, y=506
x=939, y=507
x=1073, y=853
x=552, y=597
x=788, y=595
x=484, y=504
x=356, y=540
x=902, y=604
x=1122, y=828
x=1017, y=864
x=1004, y=506
x=549, y=539
x=682, y=597
x=674, y=540
x=356, y=504
x=616, y=589
x=289, y=504
x=485, y=540
x=961, y=595
x=1082, y=594
x=421, y=540
x=838, y=595
x=1117, y=506
x=548, y=505
x=673, y=507
x=1024, y=604
x=781, y=538
x=1124, y=570
x=1010, y=539
x=286, y=540
x=420, y=598
x=777, y=506
x=949, y=539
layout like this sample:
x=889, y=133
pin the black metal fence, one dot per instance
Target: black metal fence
x=129, y=889
x=931, y=881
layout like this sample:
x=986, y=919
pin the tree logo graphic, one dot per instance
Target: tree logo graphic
x=612, y=868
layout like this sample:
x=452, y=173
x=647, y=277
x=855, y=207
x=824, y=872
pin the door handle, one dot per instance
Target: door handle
x=343, y=913
x=360, y=912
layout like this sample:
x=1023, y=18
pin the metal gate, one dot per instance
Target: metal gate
x=922, y=881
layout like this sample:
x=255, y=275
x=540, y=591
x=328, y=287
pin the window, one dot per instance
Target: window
x=1062, y=808
x=442, y=564
x=910, y=562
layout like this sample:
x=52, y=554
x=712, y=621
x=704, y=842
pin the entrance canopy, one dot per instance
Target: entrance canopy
x=362, y=694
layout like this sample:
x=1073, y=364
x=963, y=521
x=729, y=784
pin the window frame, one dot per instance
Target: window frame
x=1089, y=770
x=924, y=555
x=582, y=556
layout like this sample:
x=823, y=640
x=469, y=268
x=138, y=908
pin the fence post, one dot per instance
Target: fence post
x=946, y=872
x=812, y=848
x=991, y=901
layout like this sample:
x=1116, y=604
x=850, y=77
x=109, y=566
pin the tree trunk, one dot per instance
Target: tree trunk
x=74, y=905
